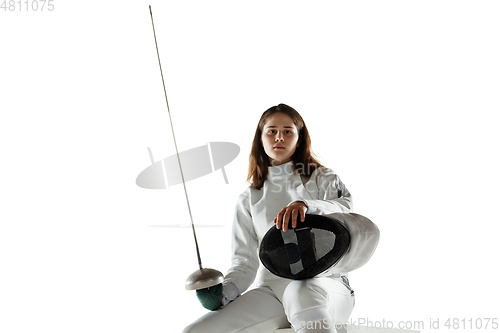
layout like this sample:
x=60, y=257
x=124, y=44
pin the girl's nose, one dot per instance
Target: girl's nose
x=279, y=136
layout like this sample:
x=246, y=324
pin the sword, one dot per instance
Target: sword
x=203, y=277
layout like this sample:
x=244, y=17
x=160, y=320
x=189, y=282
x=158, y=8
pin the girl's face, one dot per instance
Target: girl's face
x=279, y=138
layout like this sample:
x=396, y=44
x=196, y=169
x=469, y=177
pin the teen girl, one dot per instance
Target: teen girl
x=286, y=182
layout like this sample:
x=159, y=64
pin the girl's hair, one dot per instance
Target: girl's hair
x=304, y=160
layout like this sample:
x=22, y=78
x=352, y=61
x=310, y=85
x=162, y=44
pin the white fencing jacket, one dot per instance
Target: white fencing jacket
x=323, y=193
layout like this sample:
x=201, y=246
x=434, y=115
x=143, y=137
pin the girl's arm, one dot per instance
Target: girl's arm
x=333, y=196
x=245, y=260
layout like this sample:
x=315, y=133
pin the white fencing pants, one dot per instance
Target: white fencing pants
x=312, y=305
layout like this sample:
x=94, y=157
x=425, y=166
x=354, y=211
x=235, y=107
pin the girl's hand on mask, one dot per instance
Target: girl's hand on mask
x=294, y=210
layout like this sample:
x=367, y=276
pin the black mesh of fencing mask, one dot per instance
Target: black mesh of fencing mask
x=301, y=253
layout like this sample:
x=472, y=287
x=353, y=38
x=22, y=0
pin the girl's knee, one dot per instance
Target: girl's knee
x=311, y=320
x=195, y=328
x=317, y=301
x=187, y=330
x=301, y=295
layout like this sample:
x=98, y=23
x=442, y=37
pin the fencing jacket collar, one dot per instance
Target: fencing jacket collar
x=280, y=170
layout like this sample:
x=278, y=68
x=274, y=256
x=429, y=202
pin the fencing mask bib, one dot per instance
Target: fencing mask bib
x=336, y=242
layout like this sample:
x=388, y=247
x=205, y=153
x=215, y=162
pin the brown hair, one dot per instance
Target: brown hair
x=303, y=155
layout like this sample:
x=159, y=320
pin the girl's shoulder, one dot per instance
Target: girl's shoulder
x=253, y=194
x=250, y=192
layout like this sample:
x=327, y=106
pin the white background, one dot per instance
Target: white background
x=400, y=97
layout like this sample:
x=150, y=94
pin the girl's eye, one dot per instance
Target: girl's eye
x=274, y=131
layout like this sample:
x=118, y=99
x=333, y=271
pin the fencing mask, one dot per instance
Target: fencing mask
x=336, y=242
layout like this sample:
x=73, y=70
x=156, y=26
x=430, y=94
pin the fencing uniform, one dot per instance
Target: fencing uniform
x=311, y=305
